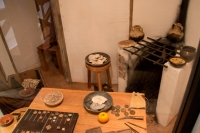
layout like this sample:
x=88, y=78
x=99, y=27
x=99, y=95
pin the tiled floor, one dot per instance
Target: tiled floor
x=54, y=79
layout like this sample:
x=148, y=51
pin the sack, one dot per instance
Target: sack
x=137, y=101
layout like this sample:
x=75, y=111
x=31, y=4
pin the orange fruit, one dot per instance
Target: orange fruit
x=103, y=117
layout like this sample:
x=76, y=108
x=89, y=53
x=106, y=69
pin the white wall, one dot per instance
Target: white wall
x=155, y=16
x=196, y=127
x=192, y=34
x=98, y=25
x=19, y=23
x=93, y=26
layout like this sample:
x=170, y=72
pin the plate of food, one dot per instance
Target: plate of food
x=53, y=98
x=6, y=120
x=177, y=61
x=26, y=92
x=97, y=59
x=98, y=101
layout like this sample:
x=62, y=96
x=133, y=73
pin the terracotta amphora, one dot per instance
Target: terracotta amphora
x=136, y=33
x=176, y=33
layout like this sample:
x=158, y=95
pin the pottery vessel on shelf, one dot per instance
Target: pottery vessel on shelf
x=136, y=33
x=176, y=33
x=188, y=53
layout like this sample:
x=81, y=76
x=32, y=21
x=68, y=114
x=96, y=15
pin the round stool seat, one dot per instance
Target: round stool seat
x=98, y=70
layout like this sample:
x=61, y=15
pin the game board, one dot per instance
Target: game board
x=45, y=121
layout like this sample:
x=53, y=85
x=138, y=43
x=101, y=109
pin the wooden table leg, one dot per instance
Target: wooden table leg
x=109, y=79
x=89, y=79
x=99, y=81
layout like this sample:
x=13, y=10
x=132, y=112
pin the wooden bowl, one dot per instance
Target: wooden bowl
x=53, y=98
x=6, y=120
x=188, y=53
x=177, y=61
x=26, y=92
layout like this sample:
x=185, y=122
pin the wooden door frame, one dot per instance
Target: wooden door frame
x=61, y=39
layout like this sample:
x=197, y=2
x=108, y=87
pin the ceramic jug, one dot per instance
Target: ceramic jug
x=176, y=33
x=136, y=33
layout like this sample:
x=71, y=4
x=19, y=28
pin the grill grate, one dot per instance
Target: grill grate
x=157, y=51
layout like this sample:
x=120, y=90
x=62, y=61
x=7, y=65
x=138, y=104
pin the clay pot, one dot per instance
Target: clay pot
x=188, y=53
x=175, y=34
x=136, y=33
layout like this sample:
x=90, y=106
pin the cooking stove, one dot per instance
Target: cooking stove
x=158, y=51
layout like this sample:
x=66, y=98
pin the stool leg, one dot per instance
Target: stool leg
x=89, y=79
x=99, y=81
x=109, y=79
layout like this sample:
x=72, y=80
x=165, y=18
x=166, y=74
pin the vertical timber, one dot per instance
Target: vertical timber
x=60, y=39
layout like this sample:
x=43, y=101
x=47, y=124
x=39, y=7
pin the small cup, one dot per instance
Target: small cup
x=188, y=53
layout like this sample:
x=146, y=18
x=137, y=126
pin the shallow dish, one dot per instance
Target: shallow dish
x=26, y=92
x=88, y=101
x=6, y=120
x=177, y=61
x=53, y=98
x=103, y=54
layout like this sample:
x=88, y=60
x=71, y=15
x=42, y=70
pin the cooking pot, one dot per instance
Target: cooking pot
x=188, y=53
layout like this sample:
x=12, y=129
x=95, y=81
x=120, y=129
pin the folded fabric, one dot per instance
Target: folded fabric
x=32, y=83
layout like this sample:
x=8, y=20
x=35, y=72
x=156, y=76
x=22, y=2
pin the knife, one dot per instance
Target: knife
x=132, y=117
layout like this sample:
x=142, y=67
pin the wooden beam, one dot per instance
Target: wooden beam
x=183, y=12
x=131, y=16
x=8, y=51
x=61, y=39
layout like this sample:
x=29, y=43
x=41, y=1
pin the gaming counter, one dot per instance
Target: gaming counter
x=71, y=115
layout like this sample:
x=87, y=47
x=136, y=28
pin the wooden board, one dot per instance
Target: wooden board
x=47, y=121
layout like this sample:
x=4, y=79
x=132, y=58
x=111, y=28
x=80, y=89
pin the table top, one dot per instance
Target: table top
x=73, y=102
x=9, y=128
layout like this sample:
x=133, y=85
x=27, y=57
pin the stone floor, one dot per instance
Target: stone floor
x=54, y=79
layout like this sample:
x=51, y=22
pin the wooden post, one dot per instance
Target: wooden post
x=131, y=16
x=60, y=39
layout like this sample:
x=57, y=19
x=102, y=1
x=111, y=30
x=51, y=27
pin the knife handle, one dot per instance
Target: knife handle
x=137, y=117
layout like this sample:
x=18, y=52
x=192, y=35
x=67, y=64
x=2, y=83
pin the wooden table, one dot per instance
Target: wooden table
x=9, y=129
x=73, y=102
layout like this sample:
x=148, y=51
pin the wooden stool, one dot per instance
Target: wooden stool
x=99, y=69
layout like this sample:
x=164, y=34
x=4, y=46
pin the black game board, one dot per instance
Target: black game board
x=45, y=121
